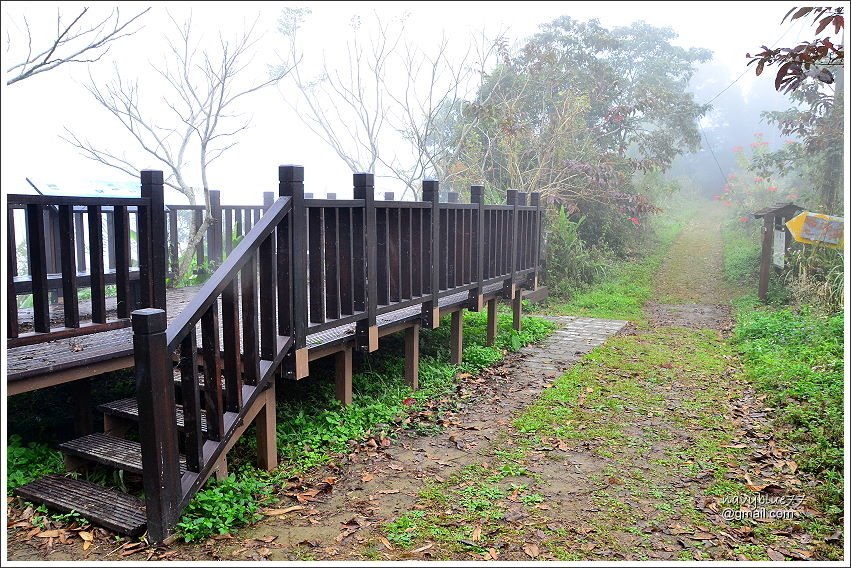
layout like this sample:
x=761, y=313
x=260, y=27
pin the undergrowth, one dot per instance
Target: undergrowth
x=796, y=358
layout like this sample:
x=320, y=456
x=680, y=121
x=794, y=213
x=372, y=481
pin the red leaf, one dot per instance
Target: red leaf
x=823, y=24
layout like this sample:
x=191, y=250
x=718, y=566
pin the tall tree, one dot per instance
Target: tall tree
x=579, y=108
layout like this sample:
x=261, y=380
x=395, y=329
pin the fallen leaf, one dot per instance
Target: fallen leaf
x=735, y=446
x=702, y=536
x=774, y=555
x=267, y=539
x=422, y=548
x=531, y=550
x=389, y=491
x=396, y=467
x=48, y=534
x=87, y=544
x=477, y=533
x=367, y=477
x=793, y=466
x=386, y=543
x=85, y=535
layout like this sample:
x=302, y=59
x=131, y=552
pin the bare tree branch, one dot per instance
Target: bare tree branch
x=71, y=42
x=199, y=89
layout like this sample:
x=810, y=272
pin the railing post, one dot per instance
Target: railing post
x=152, y=264
x=367, y=330
x=452, y=197
x=535, y=201
x=157, y=421
x=268, y=199
x=511, y=199
x=477, y=196
x=291, y=184
x=431, y=308
x=389, y=196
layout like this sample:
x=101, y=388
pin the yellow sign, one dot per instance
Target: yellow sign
x=817, y=229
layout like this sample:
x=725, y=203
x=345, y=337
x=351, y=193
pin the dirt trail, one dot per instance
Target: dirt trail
x=634, y=455
x=690, y=289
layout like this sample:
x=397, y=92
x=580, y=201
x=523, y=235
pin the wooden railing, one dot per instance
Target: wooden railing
x=74, y=243
x=56, y=244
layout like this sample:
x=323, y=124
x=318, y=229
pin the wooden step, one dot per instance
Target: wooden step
x=128, y=408
x=119, y=512
x=110, y=451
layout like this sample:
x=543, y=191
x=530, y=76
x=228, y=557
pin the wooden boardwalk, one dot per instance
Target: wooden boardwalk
x=31, y=366
x=307, y=279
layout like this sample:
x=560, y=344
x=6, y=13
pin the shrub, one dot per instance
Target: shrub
x=570, y=263
x=28, y=463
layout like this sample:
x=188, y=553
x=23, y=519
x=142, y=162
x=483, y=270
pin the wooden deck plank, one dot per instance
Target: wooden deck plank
x=119, y=512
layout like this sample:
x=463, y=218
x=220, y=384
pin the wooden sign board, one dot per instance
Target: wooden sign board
x=817, y=229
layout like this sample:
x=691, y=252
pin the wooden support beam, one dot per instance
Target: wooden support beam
x=517, y=308
x=456, y=337
x=412, y=356
x=81, y=400
x=343, y=375
x=492, y=319
x=267, y=440
x=301, y=359
x=116, y=426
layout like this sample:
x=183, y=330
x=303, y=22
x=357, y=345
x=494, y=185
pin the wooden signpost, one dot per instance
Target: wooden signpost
x=773, y=231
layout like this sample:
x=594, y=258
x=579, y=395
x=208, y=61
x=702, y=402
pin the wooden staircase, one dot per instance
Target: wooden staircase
x=181, y=445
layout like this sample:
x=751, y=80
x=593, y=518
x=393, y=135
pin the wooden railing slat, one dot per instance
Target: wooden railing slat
x=346, y=255
x=98, y=291
x=232, y=362
x=332, y=263
x=37, y=261
x=122, y=262
x=316, y=257
x=268, y=283
x=393, y=254
x=210, y=348
x=250, y=341
x=68, y=249
x=191, y=395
